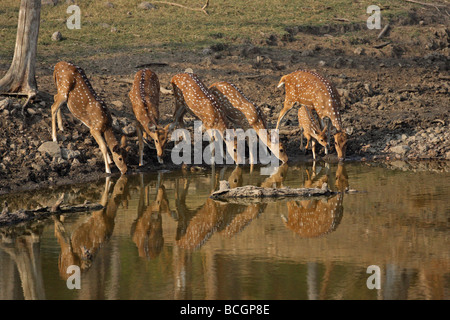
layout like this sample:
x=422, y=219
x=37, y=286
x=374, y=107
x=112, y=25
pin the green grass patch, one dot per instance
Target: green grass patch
x=125, y=28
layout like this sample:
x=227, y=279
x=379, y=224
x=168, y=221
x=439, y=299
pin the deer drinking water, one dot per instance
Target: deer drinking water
x=75, y=89
x=144, y=96
x=238, y=107
x=192, y=94
x=311, y=89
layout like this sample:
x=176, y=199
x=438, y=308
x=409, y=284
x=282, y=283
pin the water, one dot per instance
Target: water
x=160, y=237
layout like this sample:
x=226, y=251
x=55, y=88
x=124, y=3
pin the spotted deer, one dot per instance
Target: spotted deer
x=191, y=94
x=311, y=129
x=314, y=218
x=238, y=107
x=311, y=89
x=144, y=96
x=75, y=89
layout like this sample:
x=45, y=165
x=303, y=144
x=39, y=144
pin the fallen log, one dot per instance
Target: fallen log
x=11, y=218
x=253, y=192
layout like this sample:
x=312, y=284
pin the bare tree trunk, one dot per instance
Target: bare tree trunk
x=20, y=77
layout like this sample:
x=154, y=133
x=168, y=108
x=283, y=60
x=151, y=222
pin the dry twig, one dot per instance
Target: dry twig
x=202, y=9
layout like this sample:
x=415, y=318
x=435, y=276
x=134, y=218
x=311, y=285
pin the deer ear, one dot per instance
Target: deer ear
x=123, y=141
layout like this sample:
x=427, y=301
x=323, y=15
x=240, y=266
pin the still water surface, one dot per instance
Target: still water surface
x=161, y=237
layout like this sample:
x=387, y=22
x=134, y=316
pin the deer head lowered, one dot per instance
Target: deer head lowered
x=75, y=89
x=144, y=96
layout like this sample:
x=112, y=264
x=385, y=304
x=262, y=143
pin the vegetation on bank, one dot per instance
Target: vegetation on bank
x=121, y=26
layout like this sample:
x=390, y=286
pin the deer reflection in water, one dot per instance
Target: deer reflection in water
x=80, y=247
x=195, y=227
x=146, y=231
x=317, y=217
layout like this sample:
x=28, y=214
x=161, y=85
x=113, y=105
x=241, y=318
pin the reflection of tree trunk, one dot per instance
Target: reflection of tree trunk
x=26, y=255
x=10, y=286
x=20, y=77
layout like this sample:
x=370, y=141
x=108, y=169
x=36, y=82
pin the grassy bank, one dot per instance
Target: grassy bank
x=120, y=26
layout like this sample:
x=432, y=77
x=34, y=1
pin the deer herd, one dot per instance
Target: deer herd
x=220, y=106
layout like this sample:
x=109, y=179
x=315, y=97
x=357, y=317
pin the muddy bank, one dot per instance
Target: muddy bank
x=395, y=96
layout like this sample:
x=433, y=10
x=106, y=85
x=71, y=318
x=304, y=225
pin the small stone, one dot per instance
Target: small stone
x=5, y=103
x=117, y=103
x=146, y=6
x=68, y=154
x=50, y=147
x=57, y=36
x=129, y=130
x=359, y=51
x=400, y=149
x=189, y=70
x=49, y=2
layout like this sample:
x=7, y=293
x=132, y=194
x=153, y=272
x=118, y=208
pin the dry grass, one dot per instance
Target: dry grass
x=123, y=27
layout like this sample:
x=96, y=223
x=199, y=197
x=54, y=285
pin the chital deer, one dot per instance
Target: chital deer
x=311, y=128
x=311, y=89
x=144, y=96
x=75, y=89
x=191, y=94
x=238, y=107
x=81, y=245
x=146, y=231
x=314, y=218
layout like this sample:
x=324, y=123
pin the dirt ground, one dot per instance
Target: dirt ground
x=394, y=93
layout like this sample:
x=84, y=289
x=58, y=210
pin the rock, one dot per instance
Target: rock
x=68, y=154
x=146, y=6
x=207, y=51
x=57, y=36
x=5, y=103
x=369, y=89
x=400, y=149
x=129, y=130
x=359, y=51
x=117, y=103
x=76, y=162
x=49, y=2
x=109, y=4
x=51, y=148
x=189, y=70
x=307, y=53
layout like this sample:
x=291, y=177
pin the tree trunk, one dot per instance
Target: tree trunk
x=20, y=77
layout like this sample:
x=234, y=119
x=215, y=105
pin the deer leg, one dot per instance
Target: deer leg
x=59, y=100
x=328, y=135
x=103, y=148
x=313, y=148
x=141, y=144
x=301, y=139
x=60, y=122
x=287, y=107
